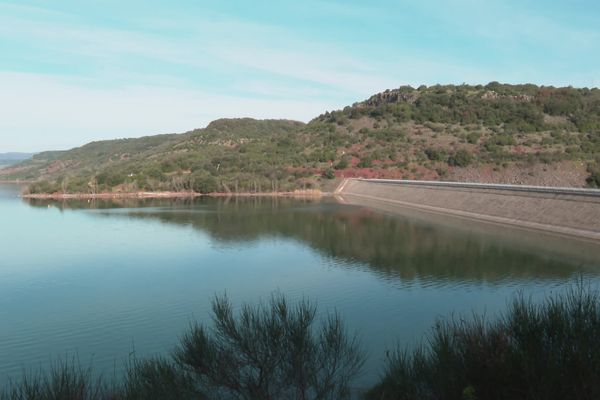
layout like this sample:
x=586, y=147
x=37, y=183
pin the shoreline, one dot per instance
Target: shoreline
x=167, y=195
x=15, y=181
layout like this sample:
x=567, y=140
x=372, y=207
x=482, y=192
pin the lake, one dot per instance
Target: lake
x=104, y=281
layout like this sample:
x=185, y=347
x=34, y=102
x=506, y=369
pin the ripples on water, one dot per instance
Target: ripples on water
x=100, y=280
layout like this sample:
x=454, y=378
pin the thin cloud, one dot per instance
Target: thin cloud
x=175, y=70
x=243, y=47
x=69, y=113
x=508, y=25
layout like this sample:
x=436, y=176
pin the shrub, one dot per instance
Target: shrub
x=594, y=179
x=158, y=379
x=271, y=351
x=436, y=154
x=473, y=137
x=342, y=164
x=110, y=178
x=66, y=380
x=42, y=187
x=365, y=162
x=329, y=173
x=548, y=351
x=504, y=140
x=461, y=158
x=442, y=172
x=275, y=351
x=204, y=183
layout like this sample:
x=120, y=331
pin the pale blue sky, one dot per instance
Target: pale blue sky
x=73, y=71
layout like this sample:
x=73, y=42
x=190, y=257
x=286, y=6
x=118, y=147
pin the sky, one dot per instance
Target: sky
x=75, y=71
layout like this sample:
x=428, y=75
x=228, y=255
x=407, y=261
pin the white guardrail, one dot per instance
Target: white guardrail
x=490, y=186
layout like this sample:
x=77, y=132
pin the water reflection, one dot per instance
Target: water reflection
x=91, y=278
x=408, y=247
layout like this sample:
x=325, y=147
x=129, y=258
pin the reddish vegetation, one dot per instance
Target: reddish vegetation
x=369, y=173
x=58, y=165
x=11, y=170
x=418, y=172
x=304, y=170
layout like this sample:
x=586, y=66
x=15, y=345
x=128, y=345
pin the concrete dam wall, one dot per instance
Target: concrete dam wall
x=566, y=211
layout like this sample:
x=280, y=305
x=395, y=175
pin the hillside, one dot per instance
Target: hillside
x=493, y=133
x=521, y=134
x=204, y=160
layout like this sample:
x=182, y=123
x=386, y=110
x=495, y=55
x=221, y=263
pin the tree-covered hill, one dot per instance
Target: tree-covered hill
x=465, y=132
x=245, y=153
x=492, y=133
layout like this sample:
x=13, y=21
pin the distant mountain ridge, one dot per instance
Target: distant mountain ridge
x=14, y=157
x=499, y=133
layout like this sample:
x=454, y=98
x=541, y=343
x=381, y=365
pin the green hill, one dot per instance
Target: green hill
x=492, y=133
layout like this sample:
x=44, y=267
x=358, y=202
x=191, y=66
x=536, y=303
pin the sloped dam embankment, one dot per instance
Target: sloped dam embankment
x=564, y=211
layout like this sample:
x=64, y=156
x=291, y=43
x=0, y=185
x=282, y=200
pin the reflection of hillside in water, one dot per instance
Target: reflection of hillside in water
x=393, y=246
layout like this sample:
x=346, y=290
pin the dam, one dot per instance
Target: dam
x=572, y=212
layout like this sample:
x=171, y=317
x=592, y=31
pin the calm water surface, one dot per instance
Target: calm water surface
x=101, y=281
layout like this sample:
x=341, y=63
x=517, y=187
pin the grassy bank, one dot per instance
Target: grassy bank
x=278, y=350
